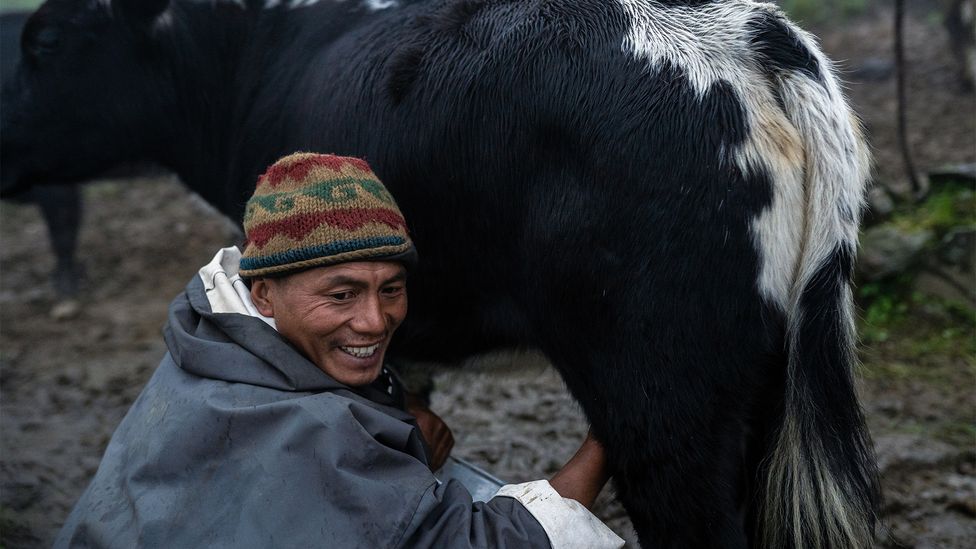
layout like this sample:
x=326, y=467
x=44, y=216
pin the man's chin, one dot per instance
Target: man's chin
x=353, y=371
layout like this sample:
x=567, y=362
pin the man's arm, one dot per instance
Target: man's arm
x=584, y=475
x=559, y=506
x=435, y=432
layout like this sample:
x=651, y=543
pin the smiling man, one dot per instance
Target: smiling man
x=341, y=318
x=274, y=419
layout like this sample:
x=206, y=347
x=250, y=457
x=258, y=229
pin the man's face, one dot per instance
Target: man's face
x=341, y=317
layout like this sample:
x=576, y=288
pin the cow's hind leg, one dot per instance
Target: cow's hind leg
x=672, y=370
x=683, y=497
x=675, y=444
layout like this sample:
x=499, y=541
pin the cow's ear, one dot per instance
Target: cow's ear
x=140, y=14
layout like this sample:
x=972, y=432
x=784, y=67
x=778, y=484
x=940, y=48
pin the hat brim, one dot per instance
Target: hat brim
x=408, y=258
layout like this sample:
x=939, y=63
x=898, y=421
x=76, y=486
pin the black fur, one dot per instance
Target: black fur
x=404, y=70
x=782, y=50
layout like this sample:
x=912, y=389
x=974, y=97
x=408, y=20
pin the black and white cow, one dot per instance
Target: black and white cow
x=661, y=196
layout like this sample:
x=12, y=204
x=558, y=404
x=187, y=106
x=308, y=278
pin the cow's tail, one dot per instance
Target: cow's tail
x=821, y=480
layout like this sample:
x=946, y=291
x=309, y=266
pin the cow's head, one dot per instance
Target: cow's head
x=87, y=92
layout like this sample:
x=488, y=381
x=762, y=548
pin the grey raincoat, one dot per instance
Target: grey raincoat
x=239, y=441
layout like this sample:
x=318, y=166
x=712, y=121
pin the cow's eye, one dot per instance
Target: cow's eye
x=44, y=42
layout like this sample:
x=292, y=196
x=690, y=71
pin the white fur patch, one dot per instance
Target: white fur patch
x=814, y=139
x=372, y=5
x=837, y=164
x=164, y=22
x=290, y=4
x=708, y=43
x=774, y=146
x=377, y=5
x=711, y=44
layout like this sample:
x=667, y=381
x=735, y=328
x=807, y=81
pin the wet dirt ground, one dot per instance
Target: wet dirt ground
x=67, y=375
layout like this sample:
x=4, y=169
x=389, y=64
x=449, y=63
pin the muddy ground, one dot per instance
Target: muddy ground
x=68, y=374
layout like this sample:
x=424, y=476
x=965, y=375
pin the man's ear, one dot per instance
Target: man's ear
x=262, y=296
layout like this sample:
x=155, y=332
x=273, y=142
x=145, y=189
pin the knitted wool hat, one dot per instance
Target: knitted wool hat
x=310, y=210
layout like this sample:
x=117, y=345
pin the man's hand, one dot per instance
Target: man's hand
x=436, y=433
x=584, y=475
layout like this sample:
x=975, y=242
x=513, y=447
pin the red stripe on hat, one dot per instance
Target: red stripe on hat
x=299, y=169
x=336, y=162
x=299, y=226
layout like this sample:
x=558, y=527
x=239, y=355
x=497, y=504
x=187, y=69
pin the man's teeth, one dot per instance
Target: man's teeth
x=360, y=352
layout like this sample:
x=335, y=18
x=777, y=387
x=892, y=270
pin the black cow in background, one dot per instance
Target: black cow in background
x=60, y=204
x=661, y=196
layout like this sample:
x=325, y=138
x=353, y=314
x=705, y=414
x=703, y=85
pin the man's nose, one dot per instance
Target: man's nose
x=370, y=318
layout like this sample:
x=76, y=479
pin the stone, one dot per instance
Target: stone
x=21, y=493
x=887, y=250
x=952, y=174
x=958, y=248
x=880, y=205
x=889, y=406
x=65, y=310
x=911, y=451
x=964, y=505
x=966, y=467
x=873, y=69
x=950, y=284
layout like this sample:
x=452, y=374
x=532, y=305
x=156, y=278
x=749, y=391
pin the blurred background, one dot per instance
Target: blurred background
x=70, y=366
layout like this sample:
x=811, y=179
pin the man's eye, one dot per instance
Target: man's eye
x=342, y=296
x=393, y=290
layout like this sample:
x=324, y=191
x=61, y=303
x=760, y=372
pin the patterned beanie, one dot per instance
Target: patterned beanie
x=310, y=210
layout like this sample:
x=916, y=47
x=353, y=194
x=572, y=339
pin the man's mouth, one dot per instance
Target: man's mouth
x=360, y=352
